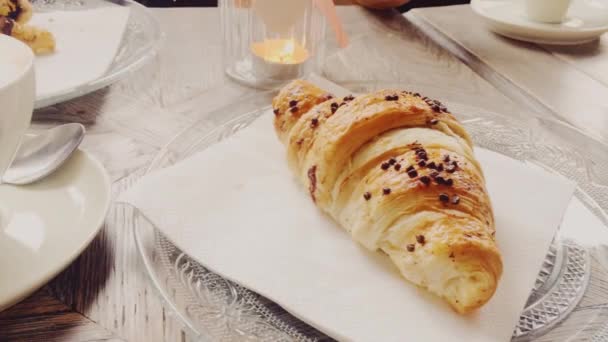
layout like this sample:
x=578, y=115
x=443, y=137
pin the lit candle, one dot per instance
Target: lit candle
x=279, y=59
x=283, y=51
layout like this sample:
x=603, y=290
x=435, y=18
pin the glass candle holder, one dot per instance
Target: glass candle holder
x=270, y=42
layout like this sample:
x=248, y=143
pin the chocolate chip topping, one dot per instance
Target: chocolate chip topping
x=334, y=107
x=439, y=167
x=422, y=163
x=6, y=25
x=367, y=196
x=411, y=247
x=449, y=182
x=432, y=165
x=293, y=109
x=446, y=158
x=312, y=177
x=16, y=13
x=349, y=98
x=385, y=166
x=425, y=180
x=397, y=167
x=409, y=168
x=293, y=103
x=443, y=197
x=386, y=191
x=412, y=173
x=450, y=168
x=435, y=105
x=421, y=154
x=421, y=240
x=392, y=161
x=314, y=122
x=439, y=180
x=434, y=174
x=391, y=97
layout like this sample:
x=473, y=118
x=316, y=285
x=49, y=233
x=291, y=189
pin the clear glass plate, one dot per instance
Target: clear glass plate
x=141, y=40
x=568, y=303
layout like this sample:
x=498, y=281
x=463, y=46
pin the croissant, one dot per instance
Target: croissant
x=39, y=40
x=18, y=10
x=397, y=171
x=14, y=15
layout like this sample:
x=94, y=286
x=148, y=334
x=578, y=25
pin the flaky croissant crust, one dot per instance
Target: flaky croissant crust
x=397, y=171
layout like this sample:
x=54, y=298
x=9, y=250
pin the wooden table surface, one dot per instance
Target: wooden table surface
x=105, y=294
x=568, y=82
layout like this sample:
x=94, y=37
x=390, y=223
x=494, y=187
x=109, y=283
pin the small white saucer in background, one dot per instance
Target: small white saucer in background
x=46, y=225
x=585, y=22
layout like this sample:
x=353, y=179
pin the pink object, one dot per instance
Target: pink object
x=328, y=9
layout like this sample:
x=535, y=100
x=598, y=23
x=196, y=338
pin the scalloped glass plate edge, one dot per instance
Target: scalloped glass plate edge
x=196, y=296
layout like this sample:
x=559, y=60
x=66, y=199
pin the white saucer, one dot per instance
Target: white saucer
x=586, y=21
x=45, y=226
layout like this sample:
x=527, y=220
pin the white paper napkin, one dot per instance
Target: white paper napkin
x=237, y=209
x=87, y=43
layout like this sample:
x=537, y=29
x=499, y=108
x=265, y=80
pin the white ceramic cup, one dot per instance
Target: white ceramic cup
x=547, y=11
x=17, y=95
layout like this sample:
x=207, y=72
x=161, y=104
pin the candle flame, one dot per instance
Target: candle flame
x=284, y=51
x=287, y=52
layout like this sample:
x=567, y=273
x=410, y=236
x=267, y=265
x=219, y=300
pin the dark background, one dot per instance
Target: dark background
x=211, y=3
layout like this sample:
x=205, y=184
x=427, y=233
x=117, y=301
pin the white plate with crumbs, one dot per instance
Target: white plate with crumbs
x=97, y=43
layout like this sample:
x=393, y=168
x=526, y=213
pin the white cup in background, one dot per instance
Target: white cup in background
x=547, y=11
x=17, y=95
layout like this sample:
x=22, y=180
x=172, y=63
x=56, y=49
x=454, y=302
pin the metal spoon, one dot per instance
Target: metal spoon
x=40, y=155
